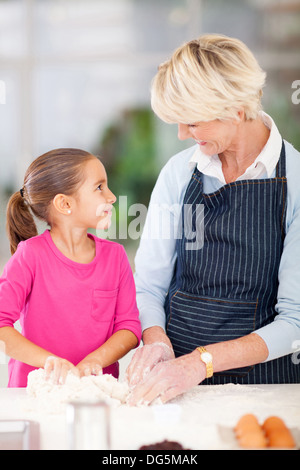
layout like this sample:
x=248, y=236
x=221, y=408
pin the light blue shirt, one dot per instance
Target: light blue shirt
x=156, y=255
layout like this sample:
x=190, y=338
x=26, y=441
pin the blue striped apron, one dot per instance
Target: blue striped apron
x=228, y=287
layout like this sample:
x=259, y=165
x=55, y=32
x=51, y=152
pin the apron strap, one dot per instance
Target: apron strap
x=281, y=166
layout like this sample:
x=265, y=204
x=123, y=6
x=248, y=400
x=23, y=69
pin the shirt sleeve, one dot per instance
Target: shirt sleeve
x=127, y=314
x=282, y=336
x=156, y=256
x=15, y=286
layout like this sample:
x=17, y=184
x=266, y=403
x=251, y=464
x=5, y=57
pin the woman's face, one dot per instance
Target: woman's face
x=213, y=137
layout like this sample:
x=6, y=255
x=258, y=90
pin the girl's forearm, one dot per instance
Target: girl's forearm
x=119, y=344
x=20, y=348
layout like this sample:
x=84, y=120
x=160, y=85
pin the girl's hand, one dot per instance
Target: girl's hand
x=145, y=359
x=89, y=367
x=59, y=367
x=169, y=379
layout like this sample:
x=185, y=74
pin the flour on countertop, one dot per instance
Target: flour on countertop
x=195, y=419
x=46, y=397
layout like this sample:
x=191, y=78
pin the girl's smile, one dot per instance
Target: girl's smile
x=94, y=204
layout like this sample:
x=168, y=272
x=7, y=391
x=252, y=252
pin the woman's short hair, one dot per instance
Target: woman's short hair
x=212, y=77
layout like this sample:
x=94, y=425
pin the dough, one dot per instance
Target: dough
x=52, y=398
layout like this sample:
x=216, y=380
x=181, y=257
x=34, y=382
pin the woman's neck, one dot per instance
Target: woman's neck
x=250, y=139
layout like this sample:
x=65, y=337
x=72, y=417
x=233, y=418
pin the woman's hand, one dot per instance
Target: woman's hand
x=169, y=379
x=145, y=359
x=59, y=369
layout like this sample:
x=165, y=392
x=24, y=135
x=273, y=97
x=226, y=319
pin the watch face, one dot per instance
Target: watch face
x=206, y=357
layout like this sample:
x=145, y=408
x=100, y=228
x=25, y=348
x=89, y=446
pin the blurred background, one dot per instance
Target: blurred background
x=77, y=73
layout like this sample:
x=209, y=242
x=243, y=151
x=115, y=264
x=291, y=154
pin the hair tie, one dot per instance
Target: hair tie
x=22, y=192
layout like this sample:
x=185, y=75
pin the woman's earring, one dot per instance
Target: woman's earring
x=69, y=211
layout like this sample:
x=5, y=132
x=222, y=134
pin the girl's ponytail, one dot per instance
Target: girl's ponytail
x=54, y=172
x=20, y=223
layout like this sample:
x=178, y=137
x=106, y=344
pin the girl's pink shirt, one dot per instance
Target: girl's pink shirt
x=68, y=308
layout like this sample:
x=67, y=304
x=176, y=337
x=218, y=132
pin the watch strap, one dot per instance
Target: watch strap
x=209, y=366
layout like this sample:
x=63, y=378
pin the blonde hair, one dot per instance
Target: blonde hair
x=212, y=77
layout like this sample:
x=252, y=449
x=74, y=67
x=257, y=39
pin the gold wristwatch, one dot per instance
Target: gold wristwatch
x=206, y=357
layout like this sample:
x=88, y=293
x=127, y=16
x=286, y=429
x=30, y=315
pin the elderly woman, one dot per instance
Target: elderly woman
x=223, y=306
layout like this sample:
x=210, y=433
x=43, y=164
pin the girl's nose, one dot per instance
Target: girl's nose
x=183, y=132
x=111, y=197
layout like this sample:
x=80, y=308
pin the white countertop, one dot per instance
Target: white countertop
x=196, y=421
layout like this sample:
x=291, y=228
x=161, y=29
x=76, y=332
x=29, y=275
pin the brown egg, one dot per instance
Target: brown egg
x=247, y=423
x=253, y=440
x=282, y=439
x=272, y=423
x=277, y=433
x=249, y=433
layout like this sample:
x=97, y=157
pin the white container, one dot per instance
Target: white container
x=88, y=426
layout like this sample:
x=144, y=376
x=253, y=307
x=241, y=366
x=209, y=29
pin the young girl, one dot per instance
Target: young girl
x=73, y=292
